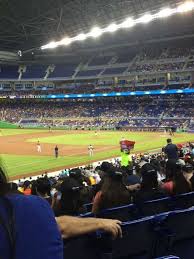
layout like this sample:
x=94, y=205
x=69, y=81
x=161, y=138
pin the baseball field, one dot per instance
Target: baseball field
x=20, y=158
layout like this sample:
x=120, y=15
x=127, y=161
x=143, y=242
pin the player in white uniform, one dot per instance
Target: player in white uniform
x=90, y=150
x=38, y=147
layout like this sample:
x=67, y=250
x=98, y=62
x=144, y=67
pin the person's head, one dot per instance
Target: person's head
x=149, y=179
x=77, y=175
x=169, y=141
x=187, y=170
x=43, y=187
x=70, y=196
x=182, y=183
x=114, y=191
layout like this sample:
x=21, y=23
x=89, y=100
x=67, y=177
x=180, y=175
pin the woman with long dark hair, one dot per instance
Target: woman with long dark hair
x=150, y=187
x=113, y=192
x=182, y=182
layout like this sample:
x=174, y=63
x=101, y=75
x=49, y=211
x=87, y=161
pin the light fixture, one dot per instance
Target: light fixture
x=145, y=18
x=65, y=41
x=165, y=12
x=111, y=28
x=50, y=45
x=129, y=22
x=186, y=7
x=80, y=37
x=95, y=32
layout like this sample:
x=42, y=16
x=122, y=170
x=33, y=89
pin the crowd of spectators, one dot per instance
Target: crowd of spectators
x=159, y=111
x=140, y=178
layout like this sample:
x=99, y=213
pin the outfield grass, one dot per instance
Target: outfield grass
x=19, y=164
x=12, y=132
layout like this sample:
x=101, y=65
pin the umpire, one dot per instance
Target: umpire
x=56, y=151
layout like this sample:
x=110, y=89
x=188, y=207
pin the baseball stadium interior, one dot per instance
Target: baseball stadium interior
x=97, y=129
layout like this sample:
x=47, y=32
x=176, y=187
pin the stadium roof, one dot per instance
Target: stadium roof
x=28, y=24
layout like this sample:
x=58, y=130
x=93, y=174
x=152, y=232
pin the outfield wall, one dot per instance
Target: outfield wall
x=7, y=125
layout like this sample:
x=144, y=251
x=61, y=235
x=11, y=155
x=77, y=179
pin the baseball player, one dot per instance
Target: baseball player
x=90, y=150
x=38, y=147
x=56, y=152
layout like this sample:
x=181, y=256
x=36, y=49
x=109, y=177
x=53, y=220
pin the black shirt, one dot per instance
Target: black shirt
x=171, y=151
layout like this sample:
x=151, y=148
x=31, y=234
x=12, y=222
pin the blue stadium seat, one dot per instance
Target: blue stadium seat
x=114, y=70
x=87, y=215
x=157, y=206
x=169, y=257
x=88, y=207
x=166, y=233
x=176, y=232
x=123, y=213
x=88, y=73
x=137, y=242
x=183, y=201
x=83, y=247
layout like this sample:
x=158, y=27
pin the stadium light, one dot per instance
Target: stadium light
x=165, y=12
x=145, y=18
x=186, y=7
x=95, y=32
x=50, y=45
x=81, y=37
x=65, y=41
x=128, y=23
x=111, y=28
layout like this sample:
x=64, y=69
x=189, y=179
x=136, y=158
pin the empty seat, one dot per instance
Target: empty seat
x=88, y=73
x=183, y=201
x=176, y=230
x=123, y=213
x=83, y=247
x=9, y=72
x=153, y=207
x=137, y=241
x=169, y=257
x=114, y=70
x=35, y=71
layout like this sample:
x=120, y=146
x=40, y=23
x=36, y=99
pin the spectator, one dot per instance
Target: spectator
x=43, y=189
x=27, y=214
x=150, y=188
x=113, y=192
x=182, y=181
x=30, y=214
x=68, y=200
x=171, y=151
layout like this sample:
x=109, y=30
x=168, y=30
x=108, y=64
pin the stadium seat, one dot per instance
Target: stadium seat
x=138, y=241
x=88, y=207
x=183, y=201
x=169, y=257
x=153, y=207
x=87, y=215
x=176, y=232
x=84, y=247
x=123, y=213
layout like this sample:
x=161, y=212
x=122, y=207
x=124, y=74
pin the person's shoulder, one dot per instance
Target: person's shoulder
x=27, y=200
